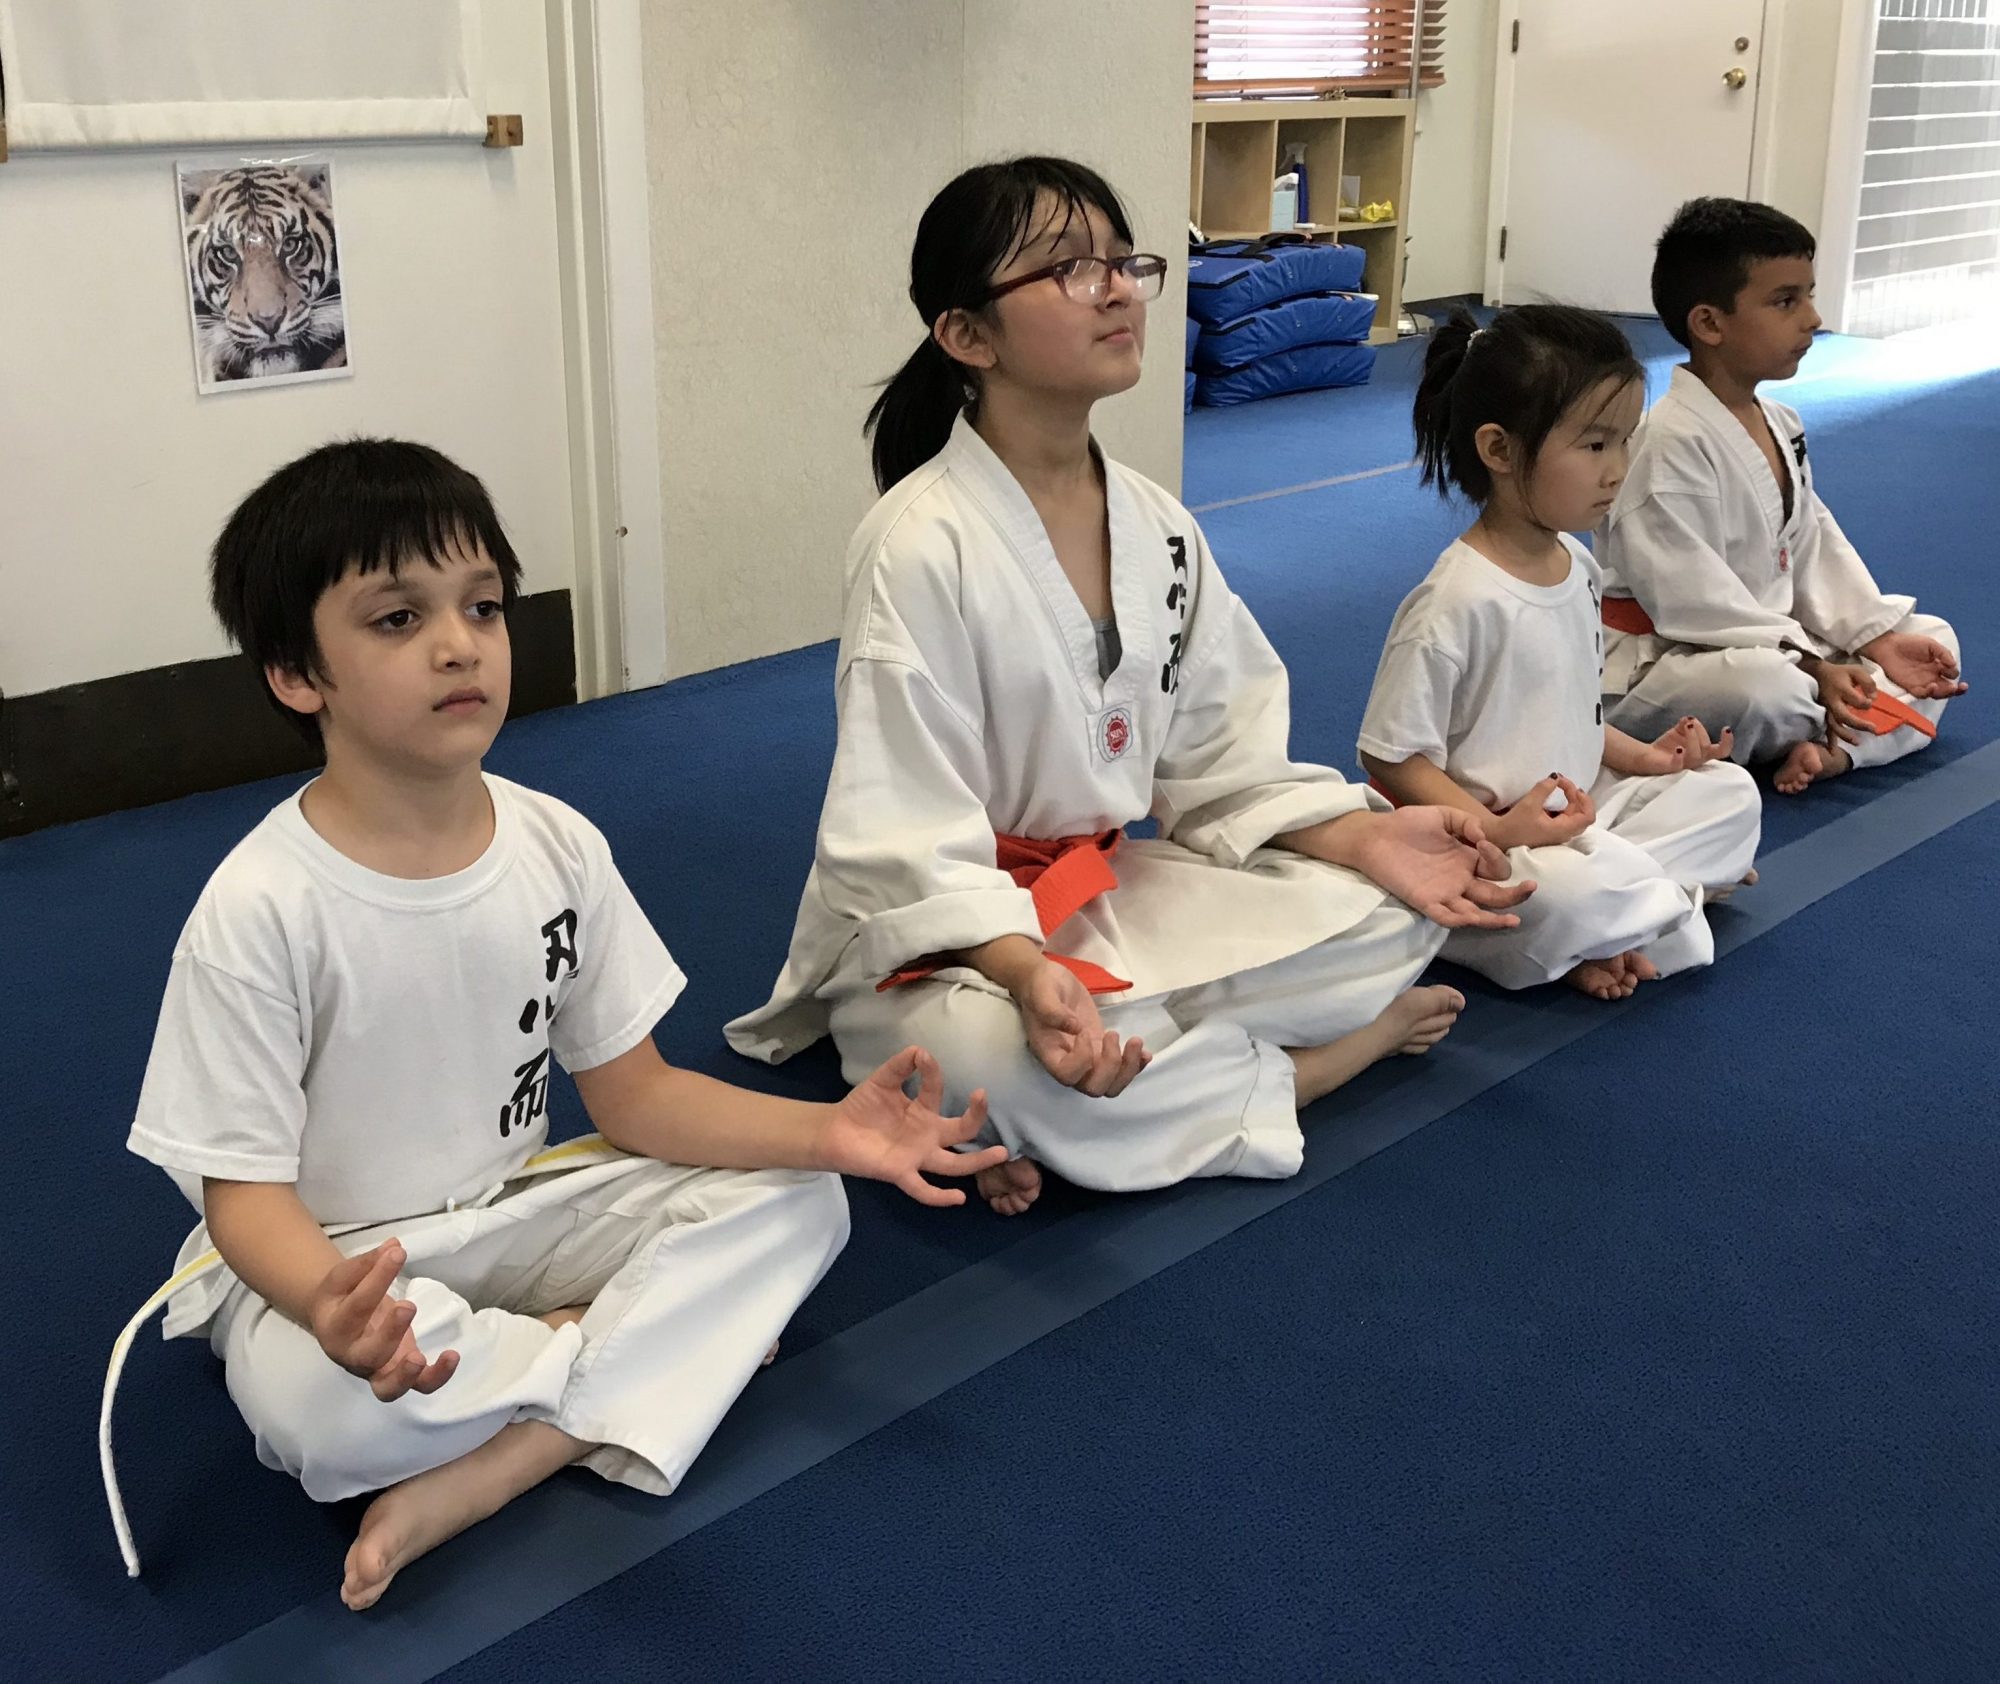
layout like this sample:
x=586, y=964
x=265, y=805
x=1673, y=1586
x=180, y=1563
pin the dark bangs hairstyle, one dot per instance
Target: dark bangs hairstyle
x=974, y=226
x=358, y=505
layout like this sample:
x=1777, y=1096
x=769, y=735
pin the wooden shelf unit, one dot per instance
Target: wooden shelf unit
x=1233, y=154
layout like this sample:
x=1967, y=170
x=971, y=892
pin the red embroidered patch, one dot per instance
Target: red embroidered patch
x=1114, y=734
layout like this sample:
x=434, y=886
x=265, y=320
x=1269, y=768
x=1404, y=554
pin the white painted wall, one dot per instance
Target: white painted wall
x=1453, y=158
x=792, y=149
x=115, y=476
x=1791, y=173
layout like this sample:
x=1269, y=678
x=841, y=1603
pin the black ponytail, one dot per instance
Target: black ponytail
x=1521, y=374
x=976, y=223
x=909, y=423
x=1430, y=416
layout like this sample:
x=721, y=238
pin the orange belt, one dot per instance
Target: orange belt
x=1063, y=876
x=1623, y=614
x=1887, y=713
x=1890, y=713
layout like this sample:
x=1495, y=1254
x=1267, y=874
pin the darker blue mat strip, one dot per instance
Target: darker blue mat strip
x=572, y=1535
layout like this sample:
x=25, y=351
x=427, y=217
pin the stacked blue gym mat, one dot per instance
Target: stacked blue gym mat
x=1280, y=314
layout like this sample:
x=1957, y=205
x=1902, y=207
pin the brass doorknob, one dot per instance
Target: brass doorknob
x=1735, y=78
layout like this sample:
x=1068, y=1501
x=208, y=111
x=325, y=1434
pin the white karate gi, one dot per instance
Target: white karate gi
x=970, y=703
x=382, y=1045
x=1494, y=680
x=1737, y=591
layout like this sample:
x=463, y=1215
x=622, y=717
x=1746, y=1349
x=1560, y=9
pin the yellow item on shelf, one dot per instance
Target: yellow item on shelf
x=1382, y=212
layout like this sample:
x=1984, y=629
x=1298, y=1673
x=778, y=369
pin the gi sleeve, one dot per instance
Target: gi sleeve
x=1836, y=596
x=1225, y=782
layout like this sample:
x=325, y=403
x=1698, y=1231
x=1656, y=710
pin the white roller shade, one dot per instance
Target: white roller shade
x=92, y=73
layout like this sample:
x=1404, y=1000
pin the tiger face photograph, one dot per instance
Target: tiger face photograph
x=263, y=268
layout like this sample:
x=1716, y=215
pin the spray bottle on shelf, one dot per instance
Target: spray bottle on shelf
x=1295, y=165
x=1284, y=203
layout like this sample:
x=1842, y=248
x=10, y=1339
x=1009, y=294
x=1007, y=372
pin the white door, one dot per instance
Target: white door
x=1608, y=114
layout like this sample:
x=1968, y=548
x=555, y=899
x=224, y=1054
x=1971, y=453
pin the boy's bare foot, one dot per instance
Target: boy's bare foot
x=1602, y=979
x=1414, y=1022
x=770, y=1356
x=1810, y=763
x=1010, y=1187
x=412, y=1519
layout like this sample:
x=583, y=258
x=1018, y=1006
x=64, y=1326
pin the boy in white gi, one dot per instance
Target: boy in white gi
x=1039, y=649
x=1730, y=592
x=350, y=1074
x=1490, y=674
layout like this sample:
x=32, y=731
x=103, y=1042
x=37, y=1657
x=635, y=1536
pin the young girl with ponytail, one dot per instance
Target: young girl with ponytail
x=1491, y=671
x=1039, y=650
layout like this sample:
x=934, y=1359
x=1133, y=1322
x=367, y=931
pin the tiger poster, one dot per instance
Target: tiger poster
x=263, y=271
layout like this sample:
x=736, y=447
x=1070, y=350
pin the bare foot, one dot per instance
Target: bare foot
x=1010, y=1187
x=1419, y=1018
x=1614, y=978
x=1414, y=1022
x=412, y=1519
x=1602, y=979
x=1716, y=897
x=770, y=1356
x=1810, y=763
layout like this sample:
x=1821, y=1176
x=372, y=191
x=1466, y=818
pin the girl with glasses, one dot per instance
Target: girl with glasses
x=1039, y=650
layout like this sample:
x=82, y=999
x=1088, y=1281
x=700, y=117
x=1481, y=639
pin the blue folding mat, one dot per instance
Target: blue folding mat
x=1227, y=279
x=1193, y=336
x=1278, y=315
x=1314, y=318
x=1303, y=368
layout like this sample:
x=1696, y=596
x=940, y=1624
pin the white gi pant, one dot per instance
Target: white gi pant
x=1634, y=881
x=1218, y=1098
x=690, y=1274
x=1763, y=696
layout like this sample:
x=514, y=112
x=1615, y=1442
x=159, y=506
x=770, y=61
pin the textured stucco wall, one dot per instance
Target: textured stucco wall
x=792, y=148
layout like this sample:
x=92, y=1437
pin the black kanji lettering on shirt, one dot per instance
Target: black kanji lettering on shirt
x=1177, y=599
x=531, y=1095
x=560, y=933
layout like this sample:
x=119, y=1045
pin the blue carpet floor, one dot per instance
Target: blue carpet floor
x=1673, y=1358
x=1364, y=1358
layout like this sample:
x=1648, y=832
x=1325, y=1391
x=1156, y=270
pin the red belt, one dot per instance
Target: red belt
x=1623, y=614
x=1063, y=876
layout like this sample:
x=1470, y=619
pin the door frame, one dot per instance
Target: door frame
x=1846, y=149
x=1763, y=125
x=603, y=236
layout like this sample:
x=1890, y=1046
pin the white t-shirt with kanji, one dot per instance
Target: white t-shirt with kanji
x=1492, y=679
x=383, y=1043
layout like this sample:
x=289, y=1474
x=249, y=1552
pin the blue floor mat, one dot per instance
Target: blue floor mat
x=1670, y=1358
x=688, y=782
